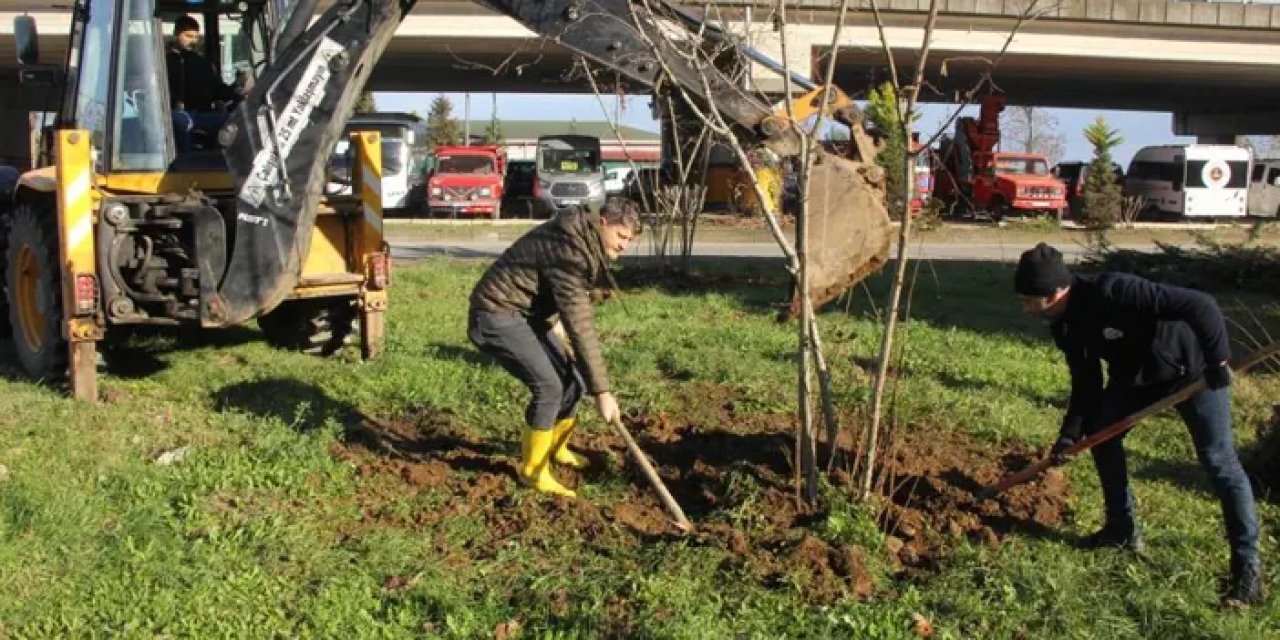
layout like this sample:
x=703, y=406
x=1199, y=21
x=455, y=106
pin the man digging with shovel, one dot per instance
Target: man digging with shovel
x=549, y=273
x=1155, y=339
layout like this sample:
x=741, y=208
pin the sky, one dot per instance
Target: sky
x=1138, y=129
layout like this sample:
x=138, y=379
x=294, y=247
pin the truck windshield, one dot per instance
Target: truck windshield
x=562, y=156
x=465, y=164
x=1022, y=166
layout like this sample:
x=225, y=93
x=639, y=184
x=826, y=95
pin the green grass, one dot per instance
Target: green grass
x=261, y=531
x=714, y=229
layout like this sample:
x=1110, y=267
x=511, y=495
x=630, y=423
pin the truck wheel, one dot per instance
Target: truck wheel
x=999, y=209
x=34, y=281
x=318, y=327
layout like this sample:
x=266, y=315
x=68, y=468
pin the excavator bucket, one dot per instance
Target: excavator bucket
x=849, y=232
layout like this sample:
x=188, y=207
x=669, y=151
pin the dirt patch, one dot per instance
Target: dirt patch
x=1262, y=459
x=730, y=471
x=933, y=478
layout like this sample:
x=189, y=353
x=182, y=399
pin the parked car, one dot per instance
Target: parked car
x=1074, y=175
x=615, y=180
x=1264, y=188
x=517, y=190
x=642, y=187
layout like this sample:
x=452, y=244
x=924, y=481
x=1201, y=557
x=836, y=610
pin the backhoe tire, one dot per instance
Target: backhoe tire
x=318, y=327
x=33, y=278
x=6, y=221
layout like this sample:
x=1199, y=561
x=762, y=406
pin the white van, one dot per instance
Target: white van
x=1195, y=181
x=404, y=149
x=1264, y=188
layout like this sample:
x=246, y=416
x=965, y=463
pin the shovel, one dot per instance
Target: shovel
x=668, y=502
x=1120, y=426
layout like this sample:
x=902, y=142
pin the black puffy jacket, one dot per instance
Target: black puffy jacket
x=549, y=271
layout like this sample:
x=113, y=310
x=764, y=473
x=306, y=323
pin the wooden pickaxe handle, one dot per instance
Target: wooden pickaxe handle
x=668, y=502
x=1120, y=426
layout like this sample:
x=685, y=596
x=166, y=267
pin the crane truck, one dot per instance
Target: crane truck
x=975, y=177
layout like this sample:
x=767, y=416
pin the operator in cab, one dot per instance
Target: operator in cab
x=195, y=87
x=543, y=281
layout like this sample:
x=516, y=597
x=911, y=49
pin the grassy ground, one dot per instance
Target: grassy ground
x=733, y=229
x=267, y=526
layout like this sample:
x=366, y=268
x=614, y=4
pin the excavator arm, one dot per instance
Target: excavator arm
x=277, y=143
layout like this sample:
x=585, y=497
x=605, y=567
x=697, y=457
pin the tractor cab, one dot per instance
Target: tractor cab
x=127, y=77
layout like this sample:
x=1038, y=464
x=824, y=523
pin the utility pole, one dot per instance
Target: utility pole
x=466, y=119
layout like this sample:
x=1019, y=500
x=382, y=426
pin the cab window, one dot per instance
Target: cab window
x=94, y=82
x=140, y=141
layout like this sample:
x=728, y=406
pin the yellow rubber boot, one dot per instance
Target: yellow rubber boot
x=535, y=459
x=561, y=453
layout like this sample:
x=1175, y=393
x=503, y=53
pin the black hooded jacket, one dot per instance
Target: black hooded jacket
x=1148, y=333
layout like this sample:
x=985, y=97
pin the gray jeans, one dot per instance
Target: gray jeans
x=529, y=351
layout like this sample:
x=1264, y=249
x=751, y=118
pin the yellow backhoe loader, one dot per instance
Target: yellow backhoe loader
x=139, y=217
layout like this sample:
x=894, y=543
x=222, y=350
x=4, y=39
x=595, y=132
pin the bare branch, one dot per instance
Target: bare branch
x=904, y=234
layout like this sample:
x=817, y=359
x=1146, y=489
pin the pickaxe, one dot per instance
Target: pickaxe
x=1120, y=426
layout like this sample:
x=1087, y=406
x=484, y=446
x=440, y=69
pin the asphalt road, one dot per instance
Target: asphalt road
x=997, y=252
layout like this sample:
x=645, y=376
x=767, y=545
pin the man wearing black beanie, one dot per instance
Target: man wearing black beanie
x=1155, y=339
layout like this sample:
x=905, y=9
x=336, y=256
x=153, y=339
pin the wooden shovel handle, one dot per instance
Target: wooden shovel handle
x=668, y=502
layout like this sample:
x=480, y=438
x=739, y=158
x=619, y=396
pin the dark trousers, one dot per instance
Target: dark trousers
x=531, y=353
x=184, y=122
x=1208, y=417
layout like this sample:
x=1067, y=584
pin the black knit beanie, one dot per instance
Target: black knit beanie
x=1041, y=272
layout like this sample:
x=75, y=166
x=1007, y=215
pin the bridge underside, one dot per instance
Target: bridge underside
x=1091, y=65
x=525, y=65
x=1047, y=81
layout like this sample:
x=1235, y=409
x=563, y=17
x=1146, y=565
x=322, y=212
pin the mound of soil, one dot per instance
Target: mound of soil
x=731, y=473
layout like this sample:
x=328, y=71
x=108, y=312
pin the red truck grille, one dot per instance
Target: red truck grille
x=1040, y=192
x=459, y=193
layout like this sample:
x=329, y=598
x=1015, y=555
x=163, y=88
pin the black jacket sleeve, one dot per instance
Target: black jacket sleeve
x=1086, y=381
x=1167, y=302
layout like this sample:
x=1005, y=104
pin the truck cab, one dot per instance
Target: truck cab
x=1019, y=183
x=467, y=182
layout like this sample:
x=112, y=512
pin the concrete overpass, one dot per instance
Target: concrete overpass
x=1216, y=66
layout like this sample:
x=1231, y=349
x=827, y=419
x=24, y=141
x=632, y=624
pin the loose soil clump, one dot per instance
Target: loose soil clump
x=731, y=472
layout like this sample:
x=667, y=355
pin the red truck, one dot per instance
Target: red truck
x=973, y=177
x=466, y=182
